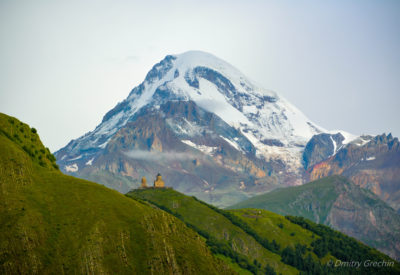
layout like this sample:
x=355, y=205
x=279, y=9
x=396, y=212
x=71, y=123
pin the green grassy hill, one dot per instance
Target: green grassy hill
x=315, y=203
x=51, y=223
x=274, y=227
x=28, y=140
x=213, y=225
x=265, y=239
x=339, y=203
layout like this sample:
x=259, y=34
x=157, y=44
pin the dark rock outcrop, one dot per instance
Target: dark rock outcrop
x=321, y=147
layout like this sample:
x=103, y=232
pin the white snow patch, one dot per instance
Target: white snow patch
x=370, y=158
x=292, y=156
x=102, y=146
x=250, y=109
x=109, y=127
x=213, y=101
x=189, y=142
x=233, y=144
x=203, y=148
x=78, y=157
x=90, y=162
x=298, y=120
x=347, y=136
x=361, y=141
x=72, y=168
x=334, y=145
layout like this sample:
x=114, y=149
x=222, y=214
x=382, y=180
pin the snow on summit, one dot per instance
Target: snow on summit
x=274, y=126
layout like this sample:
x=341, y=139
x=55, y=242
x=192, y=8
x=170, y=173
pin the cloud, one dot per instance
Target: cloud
x=157, y=156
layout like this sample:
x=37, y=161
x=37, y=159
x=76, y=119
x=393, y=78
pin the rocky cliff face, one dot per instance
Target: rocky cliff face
x=320, y=147
x=360, y=214
x=201, y=161
x=370, y=162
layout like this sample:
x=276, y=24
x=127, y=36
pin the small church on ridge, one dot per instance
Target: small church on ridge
x=158, y=183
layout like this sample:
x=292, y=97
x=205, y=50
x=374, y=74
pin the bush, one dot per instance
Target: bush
x=16, y=137
x=33, y=130
x=269, y=270
x=26, y=149
x=51, y=157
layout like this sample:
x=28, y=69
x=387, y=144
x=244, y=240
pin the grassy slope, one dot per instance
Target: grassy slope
x=320, y=196
x=337, y=202
x=218, y=226
x=28, y=140
x=54, y=224
x=269, y=226
x=272, y=226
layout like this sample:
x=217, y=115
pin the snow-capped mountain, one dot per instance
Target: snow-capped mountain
x=237, y=125
x=265, y=118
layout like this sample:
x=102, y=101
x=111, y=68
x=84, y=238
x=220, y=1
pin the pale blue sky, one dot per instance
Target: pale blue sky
x=64, y=64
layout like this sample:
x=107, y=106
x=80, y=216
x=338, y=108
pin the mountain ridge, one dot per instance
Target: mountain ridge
x=370, y=162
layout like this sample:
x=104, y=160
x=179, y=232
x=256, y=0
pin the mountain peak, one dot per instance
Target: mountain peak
x=192, y=59
x=219, y=88
x=274, y=128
